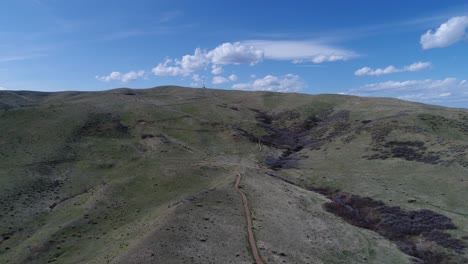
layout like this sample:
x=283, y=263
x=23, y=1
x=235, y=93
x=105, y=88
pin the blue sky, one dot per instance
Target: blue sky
x=413, y=50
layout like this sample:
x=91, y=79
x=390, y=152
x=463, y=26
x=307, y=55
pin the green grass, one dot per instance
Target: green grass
x=116, y=187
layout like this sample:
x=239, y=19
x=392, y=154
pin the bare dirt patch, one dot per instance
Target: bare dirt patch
x=209, y=228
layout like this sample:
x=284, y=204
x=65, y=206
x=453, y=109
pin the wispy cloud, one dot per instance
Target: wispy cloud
x=286, y=83
x=125, y=33
x=301, y=51
x=221, y=79
x=21, y=57
x=427, y=90
x=122, y=77
x=417, y=66
x=341, y=34
x=448, y=33
x=170, y=16
x=311, y=65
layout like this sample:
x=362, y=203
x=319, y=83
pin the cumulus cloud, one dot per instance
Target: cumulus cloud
x=233, y=77
x=417, y=66
x=165, y=69
x=225, y=54
x=450, y=32
x=193, y=62
x=300, y=51
x=286, y=83
x=428, y=90
x=235, y=53
x=183, y=67
x=122, y=77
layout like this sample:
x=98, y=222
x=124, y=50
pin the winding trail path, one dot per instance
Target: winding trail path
x=252, y=242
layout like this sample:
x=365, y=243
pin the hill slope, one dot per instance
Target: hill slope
x=147, y=176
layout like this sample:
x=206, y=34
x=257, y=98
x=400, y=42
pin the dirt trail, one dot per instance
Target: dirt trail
x=252, y=242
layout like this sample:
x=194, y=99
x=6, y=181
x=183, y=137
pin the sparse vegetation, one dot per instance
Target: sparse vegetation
x=403, y=227
x=147, y=176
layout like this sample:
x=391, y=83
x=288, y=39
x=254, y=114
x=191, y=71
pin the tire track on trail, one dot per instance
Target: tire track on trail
x=252, y=242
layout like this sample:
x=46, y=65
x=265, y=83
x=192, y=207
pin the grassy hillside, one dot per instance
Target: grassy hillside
x=147, y=176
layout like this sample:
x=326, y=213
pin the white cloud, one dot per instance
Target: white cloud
x=450, y=32
x=2, y=88
x=428, y=90
x=300, y=51
x=233, y=77
x=445, y=94
x=410, y=85
x=111, y=77
x=370, y=71
x=286, y=83
x=417, y=66
x=193, y=62
x=250, y=53
x=226, y=53
x=183, y=67
x=215, y=69
x=164, y=69
x=123, y=77
x=235, y=53
x=131, y=76
x=219, y=80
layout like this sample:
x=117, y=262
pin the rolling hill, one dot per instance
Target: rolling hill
x=148, y=176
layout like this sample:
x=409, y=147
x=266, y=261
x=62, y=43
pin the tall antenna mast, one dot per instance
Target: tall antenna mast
x=204, y=83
